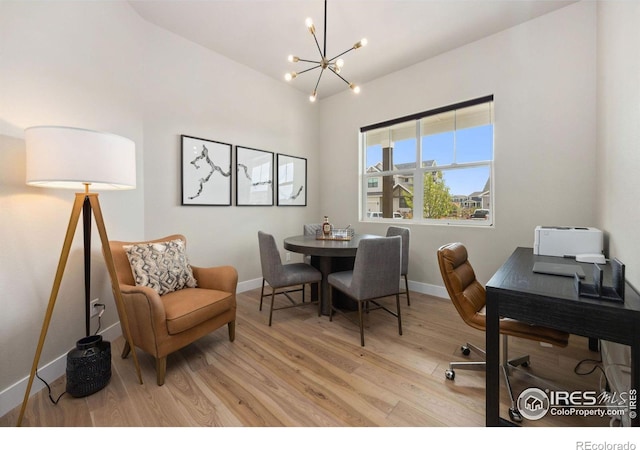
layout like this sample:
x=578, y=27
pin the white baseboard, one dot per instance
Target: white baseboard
x=14, y=394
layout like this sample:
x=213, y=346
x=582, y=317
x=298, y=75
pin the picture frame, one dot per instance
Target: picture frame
x=254, y=177
x=206, y=172
x=292, y=180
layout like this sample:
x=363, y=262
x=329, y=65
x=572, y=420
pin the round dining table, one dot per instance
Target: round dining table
x=327, y=256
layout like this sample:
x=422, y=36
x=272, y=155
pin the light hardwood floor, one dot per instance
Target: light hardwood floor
x=307, y=371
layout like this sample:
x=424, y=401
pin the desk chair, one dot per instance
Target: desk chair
x=469, y=298
x=375, y=274
x=283, y=276
x=404, y=233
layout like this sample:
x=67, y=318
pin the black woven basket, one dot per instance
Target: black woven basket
x=88, y=366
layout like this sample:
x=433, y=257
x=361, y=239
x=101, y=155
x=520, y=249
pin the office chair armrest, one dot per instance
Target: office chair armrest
x=221, y=278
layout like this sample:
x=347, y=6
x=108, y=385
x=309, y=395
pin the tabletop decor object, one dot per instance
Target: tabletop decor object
x=72, y=158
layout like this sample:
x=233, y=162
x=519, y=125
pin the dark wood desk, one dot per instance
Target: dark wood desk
x=327, y=256
x=516, y=292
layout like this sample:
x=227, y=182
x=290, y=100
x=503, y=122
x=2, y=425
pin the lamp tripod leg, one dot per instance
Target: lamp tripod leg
x=64, y=256
x=66, y=248
x=108, y=259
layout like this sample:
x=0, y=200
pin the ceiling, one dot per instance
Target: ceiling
x=262, y=33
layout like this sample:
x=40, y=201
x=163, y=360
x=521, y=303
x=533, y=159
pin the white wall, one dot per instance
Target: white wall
x=543, y=78
x=208, y=96
x=98, y=65
x=618, y=176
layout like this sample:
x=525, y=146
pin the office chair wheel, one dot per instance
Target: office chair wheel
x=466, y=351
x=450, y=374
x=515, y=415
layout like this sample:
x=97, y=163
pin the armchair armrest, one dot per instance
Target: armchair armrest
x=221, y=278
x=140, y=299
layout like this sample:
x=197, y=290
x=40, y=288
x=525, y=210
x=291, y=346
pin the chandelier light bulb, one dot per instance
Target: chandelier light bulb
x=310, y=26
x=354, y=88
x=292, y=58
x=361, y=43
x=290, y=76
x=312, y=97
x=340, y=63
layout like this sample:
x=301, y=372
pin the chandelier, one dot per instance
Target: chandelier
x=334, y=64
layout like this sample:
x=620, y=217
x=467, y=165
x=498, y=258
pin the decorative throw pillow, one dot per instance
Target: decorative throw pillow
x=162, y=266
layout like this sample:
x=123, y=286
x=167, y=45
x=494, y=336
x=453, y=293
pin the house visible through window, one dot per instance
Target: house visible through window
x=431, y=167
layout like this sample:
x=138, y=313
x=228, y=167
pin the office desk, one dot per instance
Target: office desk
x=518, y=293
x=327, y=256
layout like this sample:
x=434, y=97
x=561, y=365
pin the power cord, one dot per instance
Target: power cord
x=104, y=307
x=55, y=402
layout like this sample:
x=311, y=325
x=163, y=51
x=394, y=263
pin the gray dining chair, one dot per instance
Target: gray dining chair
x=375, y=274
x=283, y=276
x=309, y=229
x=405, y=234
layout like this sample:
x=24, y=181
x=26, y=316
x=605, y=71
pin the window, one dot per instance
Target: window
x=431, y=167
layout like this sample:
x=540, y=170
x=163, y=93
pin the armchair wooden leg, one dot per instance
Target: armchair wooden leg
x=126, y=349
x=161, y=369
x=232, y=330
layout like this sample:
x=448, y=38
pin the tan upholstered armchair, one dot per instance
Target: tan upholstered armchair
x=162, y=324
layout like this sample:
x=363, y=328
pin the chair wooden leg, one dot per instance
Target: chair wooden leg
x=126, y=349
x=261, y=295
x=361, y=324
x=330, y=304
x=399, y=318
x=273, y=296
x=406, y=285
x=232, y=330
x=161, y=369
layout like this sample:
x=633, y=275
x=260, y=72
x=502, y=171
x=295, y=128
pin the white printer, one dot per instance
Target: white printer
x=567, y=241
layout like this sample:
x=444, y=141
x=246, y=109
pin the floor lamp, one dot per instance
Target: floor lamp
x=72, y=158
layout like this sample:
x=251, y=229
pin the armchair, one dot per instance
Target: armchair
x=163, y=323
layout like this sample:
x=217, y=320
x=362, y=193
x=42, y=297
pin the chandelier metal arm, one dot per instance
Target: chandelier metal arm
x=309, y=61
x=318, y=82
x=339, y=76
x=338, y=56
x=310, y=68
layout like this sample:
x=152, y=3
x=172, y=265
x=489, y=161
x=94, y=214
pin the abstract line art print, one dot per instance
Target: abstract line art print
x=206, y=172
x=254, y=177
x=292, y=180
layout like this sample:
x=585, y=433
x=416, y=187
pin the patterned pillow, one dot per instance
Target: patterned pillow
x=162, y=266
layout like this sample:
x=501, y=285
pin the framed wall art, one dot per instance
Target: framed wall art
x=206, y=172
x=254, y=177
x=292, y=180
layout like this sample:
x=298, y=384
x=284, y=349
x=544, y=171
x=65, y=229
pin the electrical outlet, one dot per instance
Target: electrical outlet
x=95, y=310
x=288, y=256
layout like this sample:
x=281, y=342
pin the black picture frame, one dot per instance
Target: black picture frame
x=292, y=180
x=254, y=177
x=205, y=171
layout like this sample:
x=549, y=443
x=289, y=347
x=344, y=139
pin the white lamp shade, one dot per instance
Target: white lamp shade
x=63, y=157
